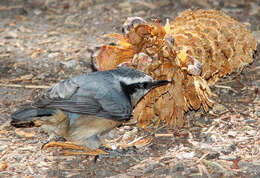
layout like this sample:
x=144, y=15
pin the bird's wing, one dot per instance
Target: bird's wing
x=62, y=90
x=116, y=105
x=86, y=99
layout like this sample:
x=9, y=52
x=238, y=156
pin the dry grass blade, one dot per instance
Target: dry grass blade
x=89, y=153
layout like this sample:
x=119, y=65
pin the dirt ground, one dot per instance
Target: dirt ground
x=44, y=41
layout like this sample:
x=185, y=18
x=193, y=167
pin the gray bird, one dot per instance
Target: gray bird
x=82, y=108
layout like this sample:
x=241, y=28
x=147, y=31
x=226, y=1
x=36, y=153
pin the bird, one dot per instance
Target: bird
x=82, y=108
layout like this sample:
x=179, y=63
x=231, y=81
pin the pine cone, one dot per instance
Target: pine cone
x=194, y=50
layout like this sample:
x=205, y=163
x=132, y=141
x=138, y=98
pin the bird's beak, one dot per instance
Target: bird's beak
x=157, y=83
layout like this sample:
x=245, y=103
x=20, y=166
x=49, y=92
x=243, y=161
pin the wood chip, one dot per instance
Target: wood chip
x=24, y=134
x=35, y=53
x=3, y=166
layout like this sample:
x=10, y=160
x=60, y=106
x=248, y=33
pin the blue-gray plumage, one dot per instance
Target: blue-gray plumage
x=83, y=107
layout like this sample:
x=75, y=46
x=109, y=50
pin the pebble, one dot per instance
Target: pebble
x=11, y=34
x=251, y=132
x=212, y=155
x=226, y=151
x=179, y=166
x=227, y=158
x=232, y=133
x=53, y=55
x=186, y=155
x=37, y=12
x=251, y=121
x=69, y=64
x=3, y=147
x=258, y=112
x=218, y=108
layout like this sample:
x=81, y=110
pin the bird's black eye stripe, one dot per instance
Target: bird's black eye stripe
x=145, y=85
x=130, y=89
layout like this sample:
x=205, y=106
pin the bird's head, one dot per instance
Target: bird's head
x=135, y=84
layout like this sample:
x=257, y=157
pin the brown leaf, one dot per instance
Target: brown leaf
x=110, y=57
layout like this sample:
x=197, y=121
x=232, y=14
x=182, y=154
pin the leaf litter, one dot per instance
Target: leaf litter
x=42, y=34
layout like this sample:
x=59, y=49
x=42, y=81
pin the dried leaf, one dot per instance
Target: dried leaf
x=111, y=56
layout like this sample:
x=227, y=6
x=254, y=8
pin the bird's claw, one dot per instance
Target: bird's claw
x=73, y=146
x=55, y=139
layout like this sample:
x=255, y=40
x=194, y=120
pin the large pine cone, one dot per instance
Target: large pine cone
x=194, y=50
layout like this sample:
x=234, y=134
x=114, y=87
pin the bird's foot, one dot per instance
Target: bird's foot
x=74, y=146
x=55, y=138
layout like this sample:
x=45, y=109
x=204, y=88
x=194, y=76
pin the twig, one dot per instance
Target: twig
x=203, y=156
x=200, y=170
x=209, y=130
x=24, y=86
x=204, y=169
x=226, y=87
x=163, y=135
x=158, y=129
x=149, y=5
x=135, y=140
x=214, y=164
x=256, y=92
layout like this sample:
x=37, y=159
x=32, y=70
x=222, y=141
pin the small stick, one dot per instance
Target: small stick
x=151, y=6
x=163, y=135
x=226, y=87
x=24, y=86
x=203, y=156
x=204, y=169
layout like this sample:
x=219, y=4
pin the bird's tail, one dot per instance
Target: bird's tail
x=24, y=117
